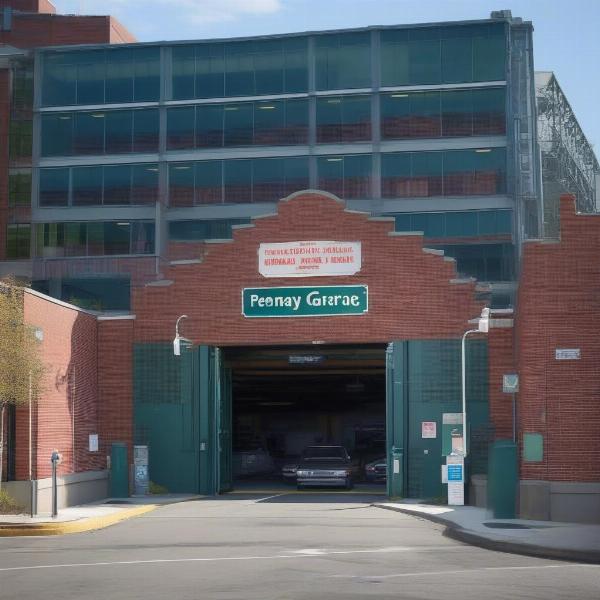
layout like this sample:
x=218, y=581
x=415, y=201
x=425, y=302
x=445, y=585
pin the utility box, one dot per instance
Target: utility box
x=503, y=479
x=396, y=474
x=119, y=471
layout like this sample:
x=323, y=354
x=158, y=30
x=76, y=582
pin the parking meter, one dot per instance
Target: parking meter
x=55, y=460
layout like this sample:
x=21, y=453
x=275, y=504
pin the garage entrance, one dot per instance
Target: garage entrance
x=287, y=399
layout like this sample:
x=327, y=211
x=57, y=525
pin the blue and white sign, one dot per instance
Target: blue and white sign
x=455, y=473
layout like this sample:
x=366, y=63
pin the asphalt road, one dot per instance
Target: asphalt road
x=285, y=548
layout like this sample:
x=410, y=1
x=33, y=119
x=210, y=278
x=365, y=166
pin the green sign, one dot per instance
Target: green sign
x=305, y=301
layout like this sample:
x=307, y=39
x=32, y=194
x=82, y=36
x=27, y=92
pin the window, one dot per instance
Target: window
x=273, y=66
x=97, y=293
x=273, y=122
x=112, y=75
x=18, y=241
x=343, y=61
x=443, y=114
x=485, y=262
x=343, y=119
x=19, y=188
x=345, y=176
x=480, y=171
x=94, y=238
x=54, y=187
x=99, y=185
x=209, y=229
x=100, y=132
x=237, y=180
x=453, y=54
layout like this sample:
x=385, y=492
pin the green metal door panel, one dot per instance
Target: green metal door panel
x=119, y=471
x=165, y=415
x=225, y=438
x=434, y=388
x=396, y=418
x=205, y=386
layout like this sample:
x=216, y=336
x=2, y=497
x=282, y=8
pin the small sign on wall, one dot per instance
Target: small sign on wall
x=568, y=353
x=93, y=442
x=428, y=430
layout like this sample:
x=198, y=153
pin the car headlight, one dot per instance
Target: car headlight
x=302, y=473
x=341, y=473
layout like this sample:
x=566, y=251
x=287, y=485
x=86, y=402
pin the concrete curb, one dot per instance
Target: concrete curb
x=455, y=532
x=78, y=526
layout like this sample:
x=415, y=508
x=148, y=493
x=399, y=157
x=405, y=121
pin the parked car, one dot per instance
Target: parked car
x=256, y=461
x=376, y=470
x=288, y=472
x=324, y=466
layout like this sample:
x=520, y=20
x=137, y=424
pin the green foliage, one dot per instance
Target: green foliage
x=157, y=489
x=8, y=505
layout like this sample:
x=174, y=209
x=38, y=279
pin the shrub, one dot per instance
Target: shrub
x=156, y=488
x=8, y=505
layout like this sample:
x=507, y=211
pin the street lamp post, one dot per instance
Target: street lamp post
x=180, y=341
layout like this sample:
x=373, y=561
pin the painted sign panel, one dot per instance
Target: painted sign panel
x=305, y=301
x=309, y=259
x=428, y=430
x=93, y=442
x=455, y=473
x=452, y=433
x=568, y=353
x=510, y=383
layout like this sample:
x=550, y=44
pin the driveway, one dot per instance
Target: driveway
x=283, y=547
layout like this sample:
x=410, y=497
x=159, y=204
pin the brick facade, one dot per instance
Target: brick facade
x=66, y=412
x=411, y=293
x=4, y=128
x=559, y=307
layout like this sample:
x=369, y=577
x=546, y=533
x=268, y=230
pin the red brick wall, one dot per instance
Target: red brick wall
x=66, y=412
x=410, y=294
x=115, y=383
x=35, y=6
x=558, y=307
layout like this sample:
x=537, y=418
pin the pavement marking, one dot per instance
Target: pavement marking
x=268, y=498
x=312, y=553
x=460, y=571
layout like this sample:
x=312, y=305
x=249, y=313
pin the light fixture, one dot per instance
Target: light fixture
x=231, y=108
x=483, y=150
x=65, y=117
x=123, y=224
x=399, y=95
x=183, y=168
x=269, y=107
x=98, y=115
x=339, y=159
x=334, y=101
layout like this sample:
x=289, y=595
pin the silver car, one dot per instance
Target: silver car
x=324, y=466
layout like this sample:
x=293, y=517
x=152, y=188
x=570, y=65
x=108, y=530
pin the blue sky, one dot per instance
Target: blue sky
x=566, y=36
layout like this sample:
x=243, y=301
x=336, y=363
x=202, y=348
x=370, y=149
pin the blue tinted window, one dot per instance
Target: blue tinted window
x=343, y=61
x=209, y=126
x=57, y=134
x=343, y=119
x=207, y=229
x=54, y=187
x=118, y=131
x=345, y=176
x=180, y=127
x=87, y=186
x=239, y=69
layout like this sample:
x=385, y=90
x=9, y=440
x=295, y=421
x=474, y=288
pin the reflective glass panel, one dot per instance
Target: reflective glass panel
x=145, y=130
x=117, y=237
x=120, y=71
x=210, y=71
x=343, y=61
x=60, y=80
x=426, y=174
x=57, y=134
x=144, y=187
x=296, y=64
x=239, y=69
x=209, y=182
x=268, y=179
x=489, y=111
x=457, y=113
x=209, y=126
x=296, y=174
x=237, y=177
x=89, y=133
x=457, y=60
x=181, y=184
x=268, y=67
x=146, y=74
x=118, y=131
x=395, y=175
x=87, y=186
x=269, y=123
x=489, y=58
x=54, y=187
x=238, y=124
x=184, y=69
x=91, y=73
x=180, y=127
x=117, y=184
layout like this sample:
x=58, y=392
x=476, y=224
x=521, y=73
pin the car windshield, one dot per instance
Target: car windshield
x=319, y=452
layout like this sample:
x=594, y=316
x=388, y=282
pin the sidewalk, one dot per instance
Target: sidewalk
x=86, y=517
x=548, y=539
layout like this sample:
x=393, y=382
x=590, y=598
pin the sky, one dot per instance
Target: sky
x=566, y=32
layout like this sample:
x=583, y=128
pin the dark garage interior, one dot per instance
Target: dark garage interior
x=288, y=398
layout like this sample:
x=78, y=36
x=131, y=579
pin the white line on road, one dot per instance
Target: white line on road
x=267, y=498
x=460, y=571
x=288, y=555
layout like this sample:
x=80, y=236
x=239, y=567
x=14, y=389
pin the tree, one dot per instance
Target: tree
x=21, y=367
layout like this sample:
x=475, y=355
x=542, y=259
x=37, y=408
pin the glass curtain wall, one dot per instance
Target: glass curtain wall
x=99, y=185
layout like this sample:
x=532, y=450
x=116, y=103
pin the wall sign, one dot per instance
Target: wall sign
x=305, y=301
x=428, y=430
x=309, y=259
x=568, y=353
